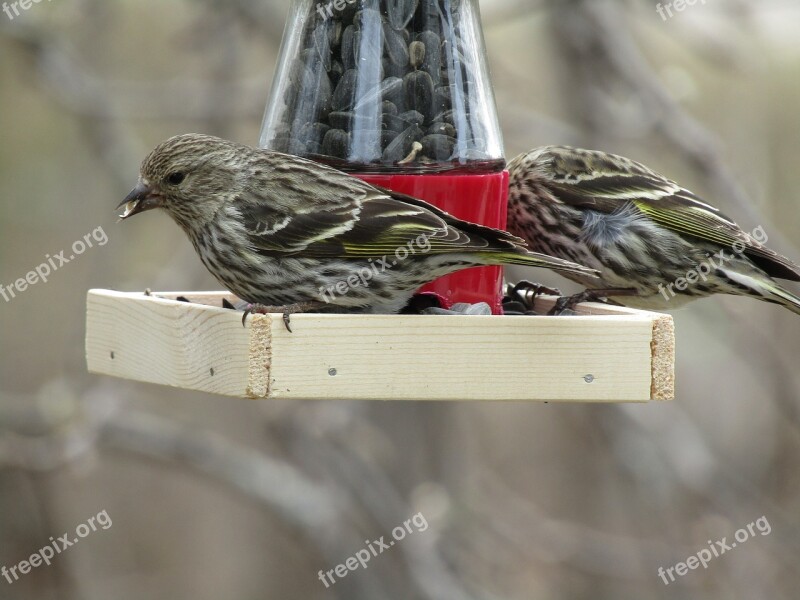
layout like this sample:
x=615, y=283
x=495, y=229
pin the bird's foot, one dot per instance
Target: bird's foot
x=526, y=292
x=569, y=302
x=287, y=310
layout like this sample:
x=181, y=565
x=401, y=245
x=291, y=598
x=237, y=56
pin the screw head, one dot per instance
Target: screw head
x=588, y=378
x=332, y=372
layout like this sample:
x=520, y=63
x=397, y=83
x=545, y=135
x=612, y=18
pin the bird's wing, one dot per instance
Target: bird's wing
x=367, y=222
x=606, y=183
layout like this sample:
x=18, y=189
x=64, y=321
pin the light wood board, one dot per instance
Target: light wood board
x=608, y=354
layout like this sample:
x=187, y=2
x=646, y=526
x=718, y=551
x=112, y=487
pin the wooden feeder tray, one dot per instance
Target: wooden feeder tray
x=603, y=354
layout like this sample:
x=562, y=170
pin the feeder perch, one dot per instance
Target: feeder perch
x=605, y=354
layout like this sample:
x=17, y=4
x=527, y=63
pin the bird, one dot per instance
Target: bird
x=656, y=245
x=286, y=234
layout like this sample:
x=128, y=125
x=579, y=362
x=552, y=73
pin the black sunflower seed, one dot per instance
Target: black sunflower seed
x=396, y=47
x=400, y=147
x=412, y=117
x=345, y=93
x=341, y=120
x=336, y=144
x=388, y=108
x=438, y=147
x=432, y=61
x=400, y=12
x=443, y=129
x=418, y=88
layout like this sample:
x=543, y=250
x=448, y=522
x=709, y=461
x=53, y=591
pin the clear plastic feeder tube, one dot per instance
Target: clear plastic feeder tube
x=386, y=86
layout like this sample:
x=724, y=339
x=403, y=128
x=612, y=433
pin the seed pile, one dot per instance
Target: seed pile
x=388, y=88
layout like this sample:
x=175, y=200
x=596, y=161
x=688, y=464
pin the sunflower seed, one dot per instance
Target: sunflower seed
x=313, y=148
x=345, y=93
x=336, y=35
x=416, y=51
x=400, y=147
x=314, y=97
x=387, y=136
x=400, y=12
x=445, y=92
x=313, y=132
x=336, y=72
x=412, y=117
x=393, y=123
x=336, y=143
x=297, y=147
x=348, y=49
x=396, y=47
x=442, y=129
x=418, y=88
x=392, y=70
x=280, y=143
x=392, y=91
x=438, y=147
x=432, y=62
x=388, y=108
x=341, y=120
x=323, y=44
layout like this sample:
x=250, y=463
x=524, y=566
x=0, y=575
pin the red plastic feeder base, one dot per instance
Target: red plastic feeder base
x=479, y=198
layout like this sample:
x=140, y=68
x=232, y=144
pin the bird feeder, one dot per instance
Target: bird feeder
x=397, y=92
x=187, y=340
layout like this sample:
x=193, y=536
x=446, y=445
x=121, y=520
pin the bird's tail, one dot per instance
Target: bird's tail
x=534, y=259
x=763, y=287
x=778, y=295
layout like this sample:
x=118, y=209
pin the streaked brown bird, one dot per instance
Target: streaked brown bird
x=288, y=234
x=648, y=236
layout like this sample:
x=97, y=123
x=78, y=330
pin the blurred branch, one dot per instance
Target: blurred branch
x=65, y=80
x=338, y=454
x=44, y=437
x=266, y=19
x=70, y=82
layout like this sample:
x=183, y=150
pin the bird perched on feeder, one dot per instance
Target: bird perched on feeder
x=656, y=244
x=288, y=235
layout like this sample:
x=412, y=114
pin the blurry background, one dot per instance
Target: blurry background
x=218, y=498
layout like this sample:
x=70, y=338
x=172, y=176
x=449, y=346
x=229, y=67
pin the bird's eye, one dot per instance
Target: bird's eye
x=176, y=178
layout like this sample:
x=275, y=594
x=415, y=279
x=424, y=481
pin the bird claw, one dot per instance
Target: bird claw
x=287, y=311
x=260, y=309
x=569, y=302
x=526, y=292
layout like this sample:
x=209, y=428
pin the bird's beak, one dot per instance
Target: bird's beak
x=141, y=198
